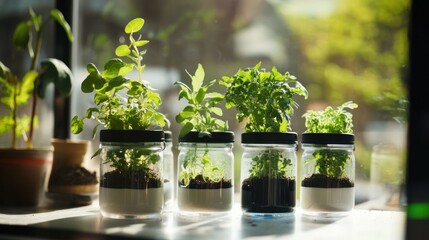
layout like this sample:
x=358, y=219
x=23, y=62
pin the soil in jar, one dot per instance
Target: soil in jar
x=129, y=179
x=268, y=195
x=322, y=181
x=200, y=183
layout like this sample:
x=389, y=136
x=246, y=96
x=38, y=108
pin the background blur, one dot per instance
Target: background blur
x=340, y=50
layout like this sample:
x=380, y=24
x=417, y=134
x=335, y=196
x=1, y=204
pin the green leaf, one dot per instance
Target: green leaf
x=184, y=93
x=94, y=130
x=127, y=68
x=98, y=152
x=216, y=110
x=122, y=51
x=116, y=123
x=76, y=125
x=160, y=119
x=198, y=78
x=6, y=123
x=56, y=72
x=214, y=95
x=200, y=95
x=4, y=71
x=186, y=129
x=140, y=43
x=92, y=68
x=36, y=20
x=58, y=16
x=100, y=98
x=135, y=90
x=134, y=25
x=26, y=87
x=117, y=82
x=112, y=68
x=186, y=113
x=21, y=36
x=91, y=82
x=89, y=112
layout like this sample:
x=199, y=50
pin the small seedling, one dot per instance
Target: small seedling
x=198, y=116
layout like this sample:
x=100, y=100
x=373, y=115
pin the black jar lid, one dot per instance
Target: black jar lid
x=214, y=137
x=168, y=135
x=269, y=137
x=131, y=136
x=328, y=138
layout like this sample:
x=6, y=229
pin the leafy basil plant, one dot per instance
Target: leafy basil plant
x=16, y=91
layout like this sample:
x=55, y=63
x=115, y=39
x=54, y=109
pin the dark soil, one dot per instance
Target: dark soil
x=130, y=180
x=73, y=176
x=200, y=183
x=323, y=181
x=268, y=195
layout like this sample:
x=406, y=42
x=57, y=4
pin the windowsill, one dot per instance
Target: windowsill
x=51, y=222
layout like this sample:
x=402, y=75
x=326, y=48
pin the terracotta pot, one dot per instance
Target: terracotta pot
x=69, y=156
x=68, y=153
x=22, y=175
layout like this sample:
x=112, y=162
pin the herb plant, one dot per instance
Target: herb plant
x=266, y=101
x=331, y=162
x=198, y=116
x=122, y=103
x=16, y=91
x=330, y=120
x=264, y=98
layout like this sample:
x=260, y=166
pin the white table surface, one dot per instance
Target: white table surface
x=362, y=224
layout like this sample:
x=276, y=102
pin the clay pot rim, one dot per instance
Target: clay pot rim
x=69, y=141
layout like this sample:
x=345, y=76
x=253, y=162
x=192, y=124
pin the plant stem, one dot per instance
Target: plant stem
x=14, y=125
x=34, y=104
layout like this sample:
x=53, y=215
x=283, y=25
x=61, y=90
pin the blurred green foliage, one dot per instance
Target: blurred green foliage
x=357, y=52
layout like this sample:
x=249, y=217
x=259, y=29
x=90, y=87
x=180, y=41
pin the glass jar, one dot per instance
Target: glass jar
x=268, y=173
x=131, y=174
x=387, y=174
x=205, y=173
x=168, y=171
x=328, y=174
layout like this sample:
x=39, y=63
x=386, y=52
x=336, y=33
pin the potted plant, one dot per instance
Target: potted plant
x=205, y=161
x=265, y=100
x=23, y=169
x=131, y=181
x=327, y=185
